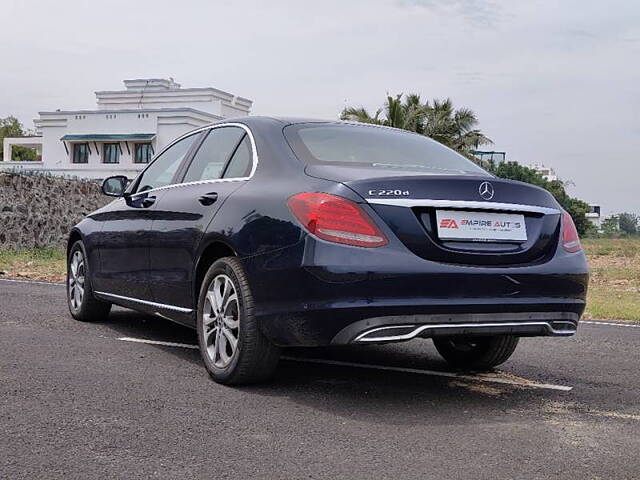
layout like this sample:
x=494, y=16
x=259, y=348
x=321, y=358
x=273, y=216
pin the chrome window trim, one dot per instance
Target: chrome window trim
x=199, y=182
x=462, y=204
x=254, y=157
x=145, y=302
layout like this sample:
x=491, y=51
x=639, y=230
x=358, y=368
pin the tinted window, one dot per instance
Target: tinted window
x=143, y=153
x=160, y=173
x=111, y=153
x=241, y=162
x=375, y=147
x=212, y=156
x=80, y=153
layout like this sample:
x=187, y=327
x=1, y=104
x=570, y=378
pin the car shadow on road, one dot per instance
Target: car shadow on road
x=387, y=397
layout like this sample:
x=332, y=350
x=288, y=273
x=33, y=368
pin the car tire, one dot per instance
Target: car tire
x=476, y=353
x=82, y=303
x=233, y=348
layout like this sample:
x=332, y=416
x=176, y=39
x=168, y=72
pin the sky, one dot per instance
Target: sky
x=551, y=82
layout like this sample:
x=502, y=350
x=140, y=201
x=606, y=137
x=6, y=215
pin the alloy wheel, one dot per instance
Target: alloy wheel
x=76, y=279
x=221, y=321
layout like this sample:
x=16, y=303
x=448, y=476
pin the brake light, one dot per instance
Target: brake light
x=336, y=219
x=570, y=239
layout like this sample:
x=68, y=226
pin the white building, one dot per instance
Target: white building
x=125, y=130
x=548, y=173
x=594, y=215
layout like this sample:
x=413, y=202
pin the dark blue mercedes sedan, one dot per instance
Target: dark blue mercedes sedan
x=263, y=233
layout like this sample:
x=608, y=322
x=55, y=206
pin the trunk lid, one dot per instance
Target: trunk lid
x=413, y=206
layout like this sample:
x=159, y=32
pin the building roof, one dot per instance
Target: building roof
x=152, y=89
x=131, y=110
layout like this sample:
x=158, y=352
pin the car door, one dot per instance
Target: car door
x=223, y=161
x=124, y=240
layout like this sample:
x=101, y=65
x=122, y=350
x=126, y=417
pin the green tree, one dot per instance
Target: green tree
x=628, y=223
x=611, y=225
x=11, y=127
x=456, y=128
x=575, y=207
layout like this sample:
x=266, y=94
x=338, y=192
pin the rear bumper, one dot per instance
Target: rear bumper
x=402, y=328
x=315, y=293
x=383, y=324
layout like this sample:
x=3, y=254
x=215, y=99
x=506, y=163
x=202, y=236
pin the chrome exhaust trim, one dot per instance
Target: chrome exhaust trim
x=418, y=329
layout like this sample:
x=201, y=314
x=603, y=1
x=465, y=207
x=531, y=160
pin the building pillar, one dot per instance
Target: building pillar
x=6, y=150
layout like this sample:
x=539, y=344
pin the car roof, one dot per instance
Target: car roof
x=271, y=119
x=259, y=120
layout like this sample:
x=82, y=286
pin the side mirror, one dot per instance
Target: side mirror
x=115, y=186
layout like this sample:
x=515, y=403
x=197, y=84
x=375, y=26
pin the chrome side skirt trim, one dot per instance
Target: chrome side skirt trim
x=145, y=302
x=462, y=204
x=362, y=338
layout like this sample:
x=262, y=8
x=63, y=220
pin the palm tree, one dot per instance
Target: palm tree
x=407, y=114
x=361, y=115
x=414, y=113
x=438, y=120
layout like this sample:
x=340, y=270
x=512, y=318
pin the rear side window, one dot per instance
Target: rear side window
x=241, y=162
x=344, y=144
x=211, y=158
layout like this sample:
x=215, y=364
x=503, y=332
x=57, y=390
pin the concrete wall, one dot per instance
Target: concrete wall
x=9, y=142
x=39, y=210
x=53, y=153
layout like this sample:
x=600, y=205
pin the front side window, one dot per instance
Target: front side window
x=143, y=153
x=161, y=172
x=214, y=153
x=80, y=153
x=377, y=147
x=111, y=153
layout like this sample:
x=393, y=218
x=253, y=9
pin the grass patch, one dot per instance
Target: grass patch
x=618, y=247
x=44, y=264
x=614, y=289
x=613, y=306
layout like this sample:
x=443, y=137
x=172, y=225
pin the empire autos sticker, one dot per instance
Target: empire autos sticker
x=465, y=225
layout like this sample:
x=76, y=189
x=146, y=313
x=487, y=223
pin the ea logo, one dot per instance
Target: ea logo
x=486, y=190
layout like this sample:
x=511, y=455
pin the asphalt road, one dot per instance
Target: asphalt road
x=77, y=402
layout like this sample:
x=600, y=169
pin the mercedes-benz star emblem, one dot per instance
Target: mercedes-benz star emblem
x=486, y=190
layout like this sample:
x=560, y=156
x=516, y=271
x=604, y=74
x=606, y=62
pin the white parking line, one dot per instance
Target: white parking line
x=611, y=324
x=15, y=280
x=157, y=342
x=434, y=373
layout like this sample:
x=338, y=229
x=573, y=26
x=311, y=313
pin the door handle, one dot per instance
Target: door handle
x=148, y=201
x=208, y=198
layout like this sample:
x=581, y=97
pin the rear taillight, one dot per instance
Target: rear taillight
x=570, y=239
x=336, y=219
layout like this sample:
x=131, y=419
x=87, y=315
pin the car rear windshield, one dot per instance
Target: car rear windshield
x=363, y=145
